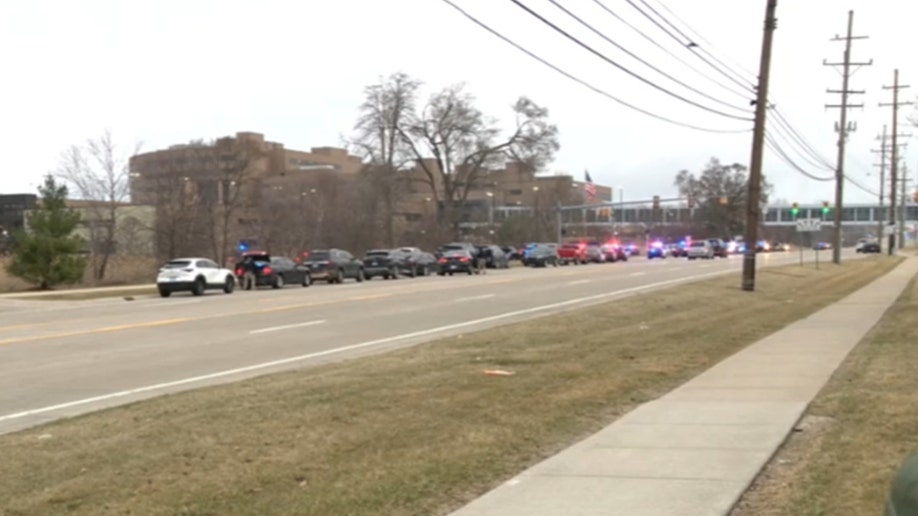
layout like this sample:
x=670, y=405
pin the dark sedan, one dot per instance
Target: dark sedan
x=541, y=256
x=380, y=263
x=274, y=271
x=456, y=261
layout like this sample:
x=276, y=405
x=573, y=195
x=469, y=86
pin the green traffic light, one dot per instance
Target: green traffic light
x=825, y=211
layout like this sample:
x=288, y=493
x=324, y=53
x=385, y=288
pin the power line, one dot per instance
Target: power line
x=781, y=119
x=701, y=38
x=688, y=43
x=584, y=83
x=605, y=58
x=644, y=61
x=778, y=129
x=774, y=146
x=654, y=42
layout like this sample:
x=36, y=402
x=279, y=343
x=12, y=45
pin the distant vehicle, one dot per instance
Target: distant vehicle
x=333, y=265
x=872, y=246
x=494, y=257
x=572, y=253
x=822, y=246
x=614, y=252
x=456, y=260
x=700, y=249
x=193, y=275
x=718, y=246
x=274, y=271
x=381, y=263
x=541, y=256
x=594, y=253
x=859, y=247
x=412, y=261
x=675, y=250
x=657, y=250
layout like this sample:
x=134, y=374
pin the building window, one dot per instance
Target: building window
x=516, y=191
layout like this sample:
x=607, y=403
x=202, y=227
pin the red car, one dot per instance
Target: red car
x=572, y=253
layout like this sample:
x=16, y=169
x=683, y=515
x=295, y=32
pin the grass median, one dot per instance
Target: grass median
x=415, y=431
x=856, y=433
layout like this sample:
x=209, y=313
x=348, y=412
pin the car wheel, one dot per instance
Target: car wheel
x=384, y=276
x=360, y=276
x=164, y=293
x=425, y=271
x=307, y=280
x=278, y=281
x=339, y=278
x=198, y=287
x=229, y=285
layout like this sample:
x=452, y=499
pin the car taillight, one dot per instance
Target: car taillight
x=239, y=271
x=267, y=270
x=463, y=259
x=441, y=260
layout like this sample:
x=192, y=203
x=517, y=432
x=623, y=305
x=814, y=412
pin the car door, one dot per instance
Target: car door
x=210, y=270
x=294, y=273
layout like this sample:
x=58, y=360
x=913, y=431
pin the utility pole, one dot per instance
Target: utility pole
x=894, y=164
x=843, y=128
x=881, y=215
x=754, y=193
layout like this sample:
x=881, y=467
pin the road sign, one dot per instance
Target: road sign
x=889, y=229
x=808, y=225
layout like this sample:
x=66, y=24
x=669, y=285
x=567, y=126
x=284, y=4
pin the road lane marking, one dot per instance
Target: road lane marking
x=108, y=329
x=283, y=308
x=474, y=298
x=637, y=273
x=286, y=327
x=578, y=282
x=352, y=347
x=674, y=269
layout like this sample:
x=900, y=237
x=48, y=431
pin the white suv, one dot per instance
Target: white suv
x=194, y=275
x=700, y=249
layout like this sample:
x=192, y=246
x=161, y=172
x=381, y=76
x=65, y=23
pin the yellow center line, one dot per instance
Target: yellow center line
x=94, y=331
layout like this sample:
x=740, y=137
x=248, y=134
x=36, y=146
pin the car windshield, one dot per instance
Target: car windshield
x=318, y=256
x=177, y=264
x=456, y=254
x=699, y=244
x=377, y=253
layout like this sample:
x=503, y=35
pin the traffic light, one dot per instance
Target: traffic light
x=656, y=202
x=795, y=209
x=825, y=207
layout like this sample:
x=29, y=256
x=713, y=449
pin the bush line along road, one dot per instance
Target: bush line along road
x=65, y=358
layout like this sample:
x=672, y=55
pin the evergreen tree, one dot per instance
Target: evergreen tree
x=48, y=253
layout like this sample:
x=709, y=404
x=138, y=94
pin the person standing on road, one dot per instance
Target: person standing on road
x=248, y=273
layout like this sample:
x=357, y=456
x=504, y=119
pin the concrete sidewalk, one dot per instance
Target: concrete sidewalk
x=697, y=449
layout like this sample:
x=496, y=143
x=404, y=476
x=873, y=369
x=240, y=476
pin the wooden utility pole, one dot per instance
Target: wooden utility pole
x=894, y=162
x=843, y=128
x=881, y=216
x=754, y=187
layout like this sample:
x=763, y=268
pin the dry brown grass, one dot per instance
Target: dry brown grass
x=415, y=431
x=856, y=433
x=127, y=270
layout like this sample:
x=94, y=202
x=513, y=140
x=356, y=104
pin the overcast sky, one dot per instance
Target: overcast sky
x=167, y=71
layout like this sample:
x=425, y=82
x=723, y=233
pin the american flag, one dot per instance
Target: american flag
x=589, y=187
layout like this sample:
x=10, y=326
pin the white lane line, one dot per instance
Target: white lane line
x=286, y=327
x=638, y=273
x=674, y=269
x=578, y=282
x=362, y=345
x=474, y=298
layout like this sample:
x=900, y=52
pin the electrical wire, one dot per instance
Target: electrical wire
x=860, y=186
x=689, y=44
x=778, y=130
x=781, y=119
x=654, y=42
x=752, y=77
x=774, y=146
x=593, y=88
x=602, y=56
x=644, y=62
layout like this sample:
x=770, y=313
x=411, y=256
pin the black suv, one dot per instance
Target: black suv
x=333, y=265
x=380, y=262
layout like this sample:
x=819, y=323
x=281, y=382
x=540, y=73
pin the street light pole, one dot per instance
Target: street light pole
x=754, y=193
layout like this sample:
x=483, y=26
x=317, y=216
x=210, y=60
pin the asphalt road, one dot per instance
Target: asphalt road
x=62, y=358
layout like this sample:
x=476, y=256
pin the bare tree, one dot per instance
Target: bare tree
x=98, y=172
x=388, y=106
x=464, y=144
x=720, y=195
x=176, y=227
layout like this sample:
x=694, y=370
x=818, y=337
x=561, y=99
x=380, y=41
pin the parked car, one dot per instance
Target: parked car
x=412, y=261
x=273, y=271
x=657, y=250
x=718, y=246
x=572, y=253
x=193, y=275
x=594, y=253
x=872, y=246
x=675, y=250
x=380, y=263
x=541, y=256
x=614, y=252
x=494, y=257
x=333, y=265
x=456, y=260
x=700, y=249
